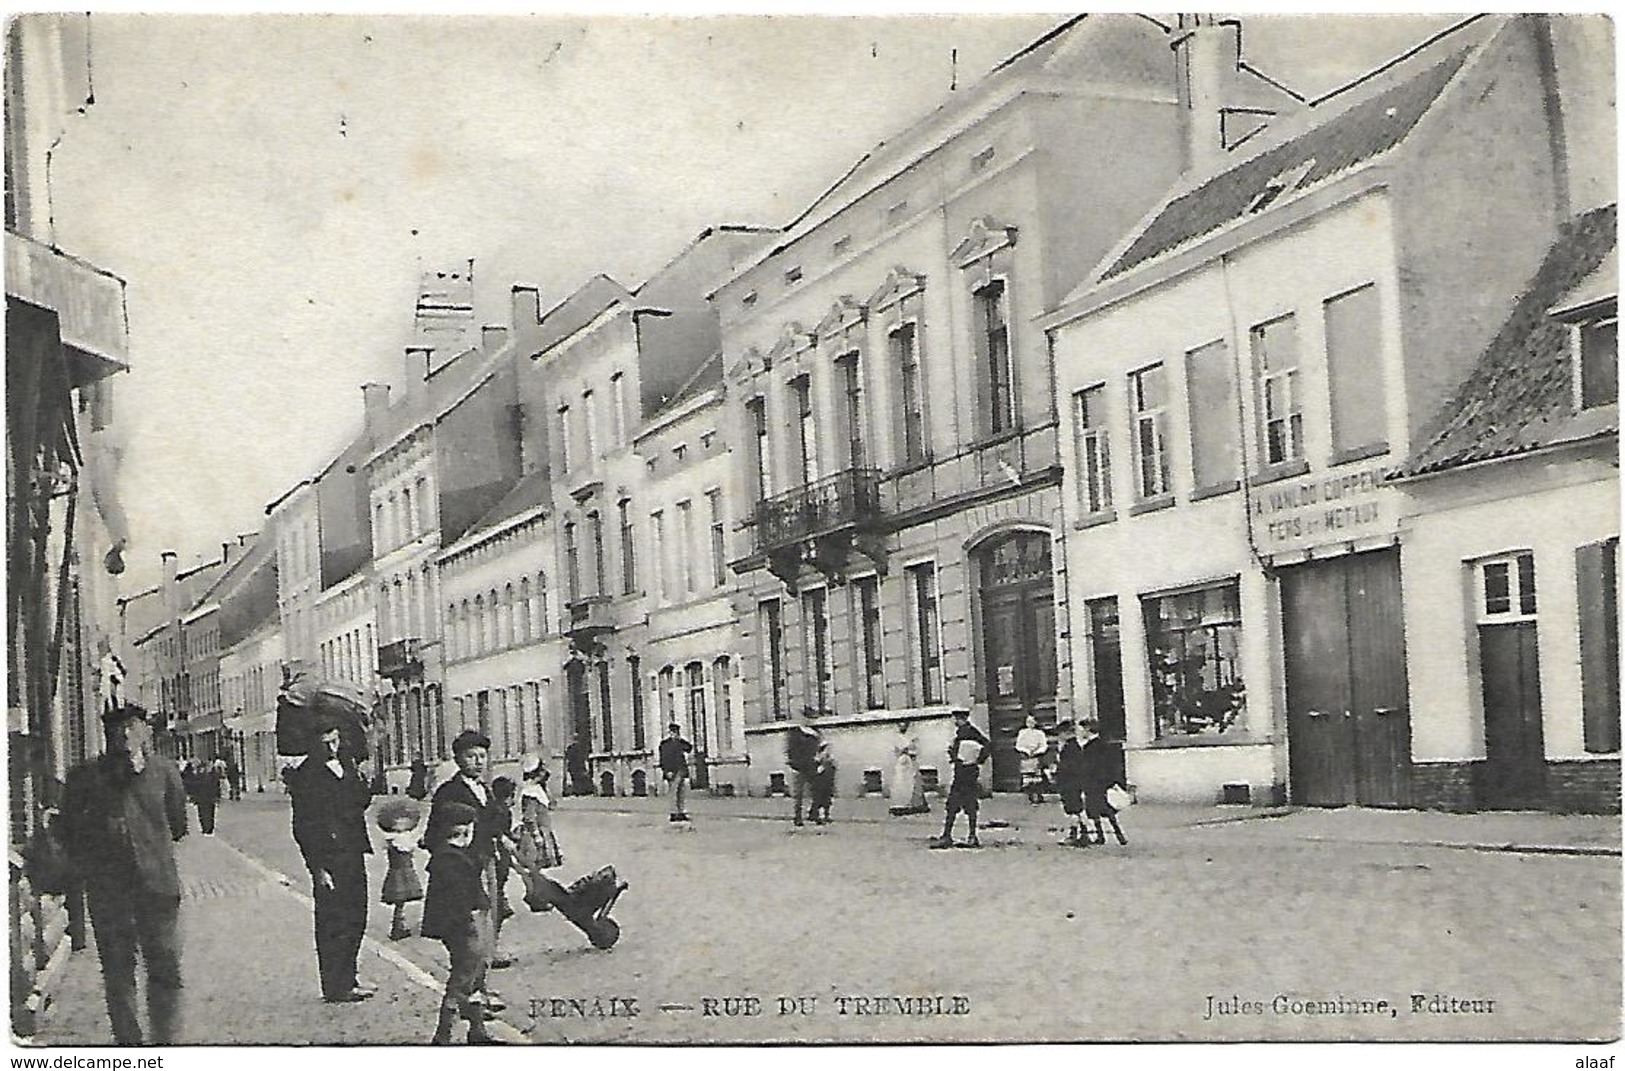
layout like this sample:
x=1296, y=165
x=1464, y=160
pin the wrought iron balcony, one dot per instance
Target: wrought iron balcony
x=399, y=657
x=589, y=618
x=845, y=500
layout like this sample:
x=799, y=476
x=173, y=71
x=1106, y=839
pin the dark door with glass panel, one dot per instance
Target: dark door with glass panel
x=1106, y=653
x=1018, y=628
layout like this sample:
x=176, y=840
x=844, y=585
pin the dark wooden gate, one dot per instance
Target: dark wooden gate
x=1018, y=629
x=1348, y=719
x=1514, y=745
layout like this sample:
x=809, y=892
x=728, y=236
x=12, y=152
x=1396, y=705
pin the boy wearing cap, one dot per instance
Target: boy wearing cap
x=121, y=814
x=674, y=768
x=457, y=910
x=470, y=750
x=966, y=752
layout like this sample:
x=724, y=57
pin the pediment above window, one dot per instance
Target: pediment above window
x=793, y=340
x=985, y=238
x=748, y=364
x=844, y=314
x=900, y=283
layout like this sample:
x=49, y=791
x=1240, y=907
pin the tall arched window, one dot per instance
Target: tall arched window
x=482, y=635
x=544, y=620
x=721, y=689
x=452, y=650
x=525, y=615
x=493, y=607
x=510, y=617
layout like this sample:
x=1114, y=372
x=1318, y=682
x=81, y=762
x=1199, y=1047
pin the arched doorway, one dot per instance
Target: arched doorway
x=1017, y=590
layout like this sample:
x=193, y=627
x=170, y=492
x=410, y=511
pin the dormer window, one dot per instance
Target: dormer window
x=792, y=276
x=980, y=161
x=1283, y=183
x=679, y=452
x=1596, y=349
x=842, y=245
x=895, y=213
x=748, y=300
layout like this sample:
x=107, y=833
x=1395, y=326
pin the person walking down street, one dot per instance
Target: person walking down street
x=470, y=750
x=234, y=779
x=203, y=785
x=1100, y=772
x=801, y=755
x=121, y=815
x=674, y=769
x=577, y=777
x=823, y=784
x=417, y=786
x=966, y=753
x=399, y=820
x=537, y=848
x=330, y=798
x=457, y=912
x=907, y=793
x=1069, y=782
x=1031, y=743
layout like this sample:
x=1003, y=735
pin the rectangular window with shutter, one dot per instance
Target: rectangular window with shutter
x=1355, y=374
x=1215, y=443
x=1597, y=574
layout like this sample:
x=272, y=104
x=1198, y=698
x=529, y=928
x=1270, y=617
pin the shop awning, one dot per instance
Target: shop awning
x=249, y=724
x=88, y=302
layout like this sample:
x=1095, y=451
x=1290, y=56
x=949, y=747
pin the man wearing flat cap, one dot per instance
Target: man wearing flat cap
x=330, y=800
x=121, y=815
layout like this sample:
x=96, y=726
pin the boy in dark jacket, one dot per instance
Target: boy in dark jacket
x=1069, y=782
x=456, y=910
x=1100, y=772
x=966, y=753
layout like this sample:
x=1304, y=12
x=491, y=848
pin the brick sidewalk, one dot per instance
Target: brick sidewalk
x=249, y=962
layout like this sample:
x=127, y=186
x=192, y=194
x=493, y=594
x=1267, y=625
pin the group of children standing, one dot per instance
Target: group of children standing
x=464, y=905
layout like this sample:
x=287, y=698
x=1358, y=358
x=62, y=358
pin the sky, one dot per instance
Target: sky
x=269, y=187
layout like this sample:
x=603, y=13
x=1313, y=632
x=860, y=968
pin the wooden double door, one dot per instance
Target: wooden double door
x=1017, y=589
x=1348, y=717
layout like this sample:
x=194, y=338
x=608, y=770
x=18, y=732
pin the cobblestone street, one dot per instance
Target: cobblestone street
x=1040, y=941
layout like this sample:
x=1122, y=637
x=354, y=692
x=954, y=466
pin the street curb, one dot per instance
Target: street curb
x=501, y=1028
x=1477, y=846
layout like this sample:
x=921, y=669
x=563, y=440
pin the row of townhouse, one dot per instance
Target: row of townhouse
x=1177, y=447
x=1127, y=384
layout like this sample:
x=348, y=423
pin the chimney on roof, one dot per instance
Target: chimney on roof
x=171, y=590
x=375, y=403
x=1207, y=53
x=492, y=337
x=417, y=365
x=527, y=306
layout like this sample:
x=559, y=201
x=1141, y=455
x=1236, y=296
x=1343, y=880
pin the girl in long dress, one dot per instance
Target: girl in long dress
x=537, y=848
x=907, y=794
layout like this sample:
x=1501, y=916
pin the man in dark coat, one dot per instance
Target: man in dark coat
x=801, y=755
x=470, y=750
x=121, y=814
x=674, y=769
x=330, y=800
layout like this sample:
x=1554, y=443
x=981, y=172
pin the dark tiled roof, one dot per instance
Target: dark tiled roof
x=531, y=491
x=705, y=377
x=575, y=312
x=1520, y=397
x=1361, y=133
